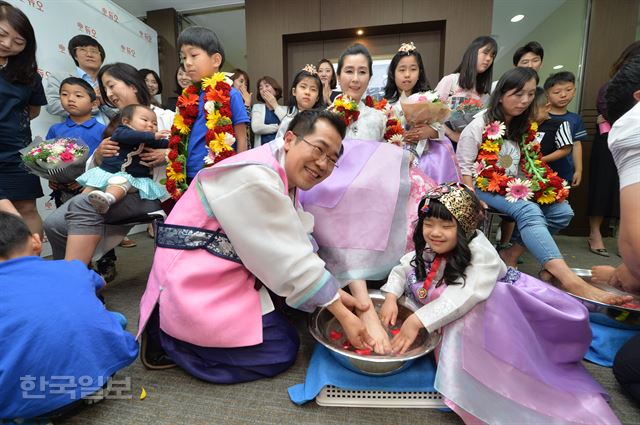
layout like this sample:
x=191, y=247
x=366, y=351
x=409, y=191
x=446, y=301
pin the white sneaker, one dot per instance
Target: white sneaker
x=101, y=201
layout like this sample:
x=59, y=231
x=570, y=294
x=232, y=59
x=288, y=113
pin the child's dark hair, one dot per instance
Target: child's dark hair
x=273, y=83
x=128, y=75
x=468, y=68
x=333, y=82
x=301, y=75
x=391, y=89
x=144, y=72
x=113, y=124
x=203, y=38
x=23, y=67
x=531, y=47
x=14, y=234
x=356, y=49
x=75, y=81
x=458, y=259
x=305, y=123
x=558, y=78
x=621, y=89
x=82, y=40
x=129, y=111
x=513, y=79
x=541, y=98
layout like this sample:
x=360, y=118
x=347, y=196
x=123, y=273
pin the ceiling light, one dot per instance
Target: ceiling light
x=517, y=18
x=558, y=67
x=359, y=32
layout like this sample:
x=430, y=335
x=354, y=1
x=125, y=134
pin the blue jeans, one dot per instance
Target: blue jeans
x=536, y=223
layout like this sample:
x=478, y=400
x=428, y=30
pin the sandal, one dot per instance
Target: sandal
x=128, y=243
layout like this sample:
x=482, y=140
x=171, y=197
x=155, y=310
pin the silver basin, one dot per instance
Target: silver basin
x=607, y=314
x=322, y=323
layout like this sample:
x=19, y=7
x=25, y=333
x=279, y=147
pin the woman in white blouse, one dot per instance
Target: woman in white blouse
x=266, y=114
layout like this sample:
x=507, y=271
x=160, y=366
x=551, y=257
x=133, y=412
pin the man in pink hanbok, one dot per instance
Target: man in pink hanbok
x=237, y=233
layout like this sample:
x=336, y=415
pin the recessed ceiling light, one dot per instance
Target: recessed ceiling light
x=558, y=67
x=359, y=32
x=517, y=18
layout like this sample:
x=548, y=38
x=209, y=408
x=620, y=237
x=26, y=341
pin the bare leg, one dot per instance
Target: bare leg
x=7, y=206
x=506, y=231
x=572, y=283
x=370, y=317
x=595, y=237
x=81, y=247
x=602, y=274
x=510, y=255
x=29, y=212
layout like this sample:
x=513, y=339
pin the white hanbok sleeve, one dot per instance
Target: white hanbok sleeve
x=265, y=229
x=397, y=280
x=456, y=300
x=469, y=145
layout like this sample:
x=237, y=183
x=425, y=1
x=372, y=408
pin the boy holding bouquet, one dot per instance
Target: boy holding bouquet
x=78, y=99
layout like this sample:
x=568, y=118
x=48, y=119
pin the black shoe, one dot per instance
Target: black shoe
x=106, y=268
x=154, y=358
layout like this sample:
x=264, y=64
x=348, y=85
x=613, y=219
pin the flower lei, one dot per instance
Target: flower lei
x=541, y=182
x=218, y=138
x=346, y=108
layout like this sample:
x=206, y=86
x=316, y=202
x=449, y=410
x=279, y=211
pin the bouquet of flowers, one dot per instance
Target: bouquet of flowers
x=346, y=108
x=424, y=108
x=60, y=160
x=463, y=114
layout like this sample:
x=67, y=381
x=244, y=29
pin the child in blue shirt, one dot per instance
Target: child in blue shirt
x=561, y=89
x=202, y=56
x=59, y=343
x=554, y=135
x=78, y=99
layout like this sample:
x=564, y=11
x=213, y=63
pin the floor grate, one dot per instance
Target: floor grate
x=334, y=396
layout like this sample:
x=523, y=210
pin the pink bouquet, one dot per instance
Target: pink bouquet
x=424, y=108
x=61, y=160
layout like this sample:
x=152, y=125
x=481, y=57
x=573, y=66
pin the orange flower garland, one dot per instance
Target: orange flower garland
x=218, y=138
x=540, y=182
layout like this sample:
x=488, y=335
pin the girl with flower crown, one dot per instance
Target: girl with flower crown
x=511, y=345
x=306, y=93
x=406, y=76
x=499, y=156
x=364, y=209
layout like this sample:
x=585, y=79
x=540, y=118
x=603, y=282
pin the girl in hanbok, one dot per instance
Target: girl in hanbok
x=471, y=79
x=405, y=77
x=511, y=344
x=306, y=93
x=364, y=209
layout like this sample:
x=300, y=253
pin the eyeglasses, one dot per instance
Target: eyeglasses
x=87, y=50
x=319, y=155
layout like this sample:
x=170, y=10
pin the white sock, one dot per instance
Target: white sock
x=110, y=198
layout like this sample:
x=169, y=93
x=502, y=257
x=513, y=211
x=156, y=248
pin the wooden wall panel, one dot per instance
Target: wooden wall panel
x=466, y=20
x=269, y=20
x=339, y=14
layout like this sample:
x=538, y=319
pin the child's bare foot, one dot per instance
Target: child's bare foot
x=376, y=331
x=582, y=289
x=602, y=274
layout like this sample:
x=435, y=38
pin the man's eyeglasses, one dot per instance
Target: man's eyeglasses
x=86, y=50
x=320, y=155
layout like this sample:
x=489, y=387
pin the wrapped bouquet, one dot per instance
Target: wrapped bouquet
x=60, y=160
x=424, y=108
x=463, y=114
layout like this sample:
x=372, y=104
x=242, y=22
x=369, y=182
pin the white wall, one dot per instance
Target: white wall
x=55, y=22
